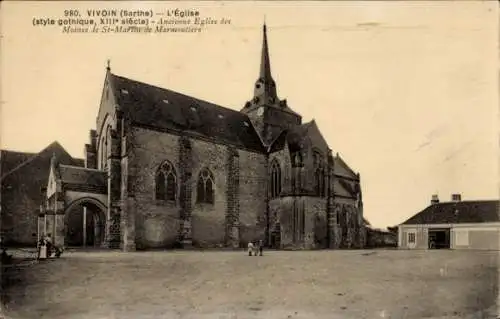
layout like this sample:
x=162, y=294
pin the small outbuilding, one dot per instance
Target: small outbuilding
x=456, y=224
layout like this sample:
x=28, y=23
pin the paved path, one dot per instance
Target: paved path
x=281, y=284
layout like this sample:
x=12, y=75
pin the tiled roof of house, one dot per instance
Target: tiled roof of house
x=31, y=175
x=481, y=211
x=11, y=159
x=84, y=177
x=160, y=108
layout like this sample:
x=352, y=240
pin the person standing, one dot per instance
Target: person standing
x=261, y=247
x=250, y=248
x=49, y=245
x=42, y=248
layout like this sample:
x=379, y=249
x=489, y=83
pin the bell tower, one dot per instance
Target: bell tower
x=269, y=115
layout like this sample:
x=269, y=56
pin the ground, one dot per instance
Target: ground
x=280, y=284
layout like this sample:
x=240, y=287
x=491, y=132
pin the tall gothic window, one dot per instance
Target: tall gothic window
x=275, y=180
x=205, y=187
x=319, y=175
x=166, y=182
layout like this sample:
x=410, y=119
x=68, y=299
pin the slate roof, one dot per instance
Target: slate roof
x=11, y=159
x=79, y=162
x=291, y=137
x=83, y=177
x=343, y=188
x=458, y=212
x=342, y=169
x=32, y=174
x=164, y=109
x=296, y=135
x=339, y=189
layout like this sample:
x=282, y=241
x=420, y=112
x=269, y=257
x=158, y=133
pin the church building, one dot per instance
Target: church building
x=163, y=170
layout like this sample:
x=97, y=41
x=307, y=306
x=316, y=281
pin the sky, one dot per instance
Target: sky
x=405, y=92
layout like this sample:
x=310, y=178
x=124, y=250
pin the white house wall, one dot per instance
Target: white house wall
x=421, y=234
x=462, y=236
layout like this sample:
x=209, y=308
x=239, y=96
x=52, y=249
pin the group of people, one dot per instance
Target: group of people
x=47, y=249
x=255, y=249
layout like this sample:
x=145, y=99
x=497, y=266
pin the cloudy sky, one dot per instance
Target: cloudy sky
x=406, y=92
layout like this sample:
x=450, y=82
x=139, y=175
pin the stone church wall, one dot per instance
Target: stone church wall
x=350, y=233
x=283, y=158
x=317, y=236
x=252, y=196
x=157, y=223
x=208, y=220
x=314, y=233
x=281, y=210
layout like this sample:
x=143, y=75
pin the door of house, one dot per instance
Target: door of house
x=412, y=239
x=276, y=237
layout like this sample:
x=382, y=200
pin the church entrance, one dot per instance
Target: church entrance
x=84, y=225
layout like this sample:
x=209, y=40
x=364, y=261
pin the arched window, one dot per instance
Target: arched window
x=166, y=182
x=205, y=187
x=275, y=180
x=319, y=175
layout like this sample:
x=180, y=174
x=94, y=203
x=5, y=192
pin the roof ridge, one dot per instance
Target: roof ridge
x=180, y=93
x=467, y=201
x=37, y=155
x=444, y=208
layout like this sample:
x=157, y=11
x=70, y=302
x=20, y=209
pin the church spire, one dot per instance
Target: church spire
x=265, y=88
x=265, y=63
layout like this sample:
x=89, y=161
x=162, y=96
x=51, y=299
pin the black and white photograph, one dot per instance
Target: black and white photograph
x=249, y=159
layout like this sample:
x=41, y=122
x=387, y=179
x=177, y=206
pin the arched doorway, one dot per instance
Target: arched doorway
x=85, y=221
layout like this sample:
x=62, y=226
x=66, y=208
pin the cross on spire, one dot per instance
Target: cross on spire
x=108, y=67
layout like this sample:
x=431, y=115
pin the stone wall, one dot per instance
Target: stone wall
x=19, y=216
x=21, y=197
x=239, y=214
x=350, y=232
x=156, y=222
x=208, y=220
x=318, y=231
x=252, y=196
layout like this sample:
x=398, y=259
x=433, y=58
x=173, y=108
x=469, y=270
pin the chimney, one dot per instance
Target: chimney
x=435, y=199
x=456, y=197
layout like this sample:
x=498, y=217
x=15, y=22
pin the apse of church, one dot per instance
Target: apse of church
x=170, y=170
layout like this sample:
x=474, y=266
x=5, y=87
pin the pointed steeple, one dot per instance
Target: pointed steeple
x=265, y=87
x=269, y=115
x=265, y=63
